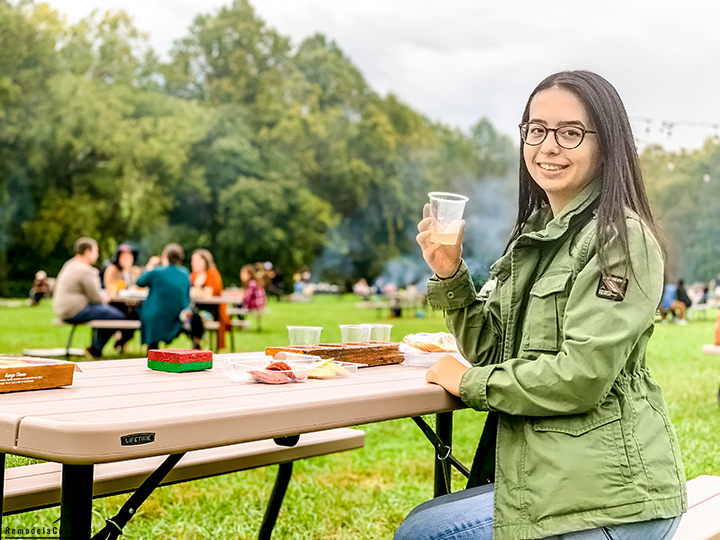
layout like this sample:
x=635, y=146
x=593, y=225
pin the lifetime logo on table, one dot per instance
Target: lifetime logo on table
x=137, y=438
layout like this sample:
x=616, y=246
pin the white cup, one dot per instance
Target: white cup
x=447, y=211
x=304, y=335
x=355, y=333
x=379, y=332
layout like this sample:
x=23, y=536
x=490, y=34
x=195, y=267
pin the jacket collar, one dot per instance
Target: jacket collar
x=542, y=225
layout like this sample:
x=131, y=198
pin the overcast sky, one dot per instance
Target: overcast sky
x=456, y=61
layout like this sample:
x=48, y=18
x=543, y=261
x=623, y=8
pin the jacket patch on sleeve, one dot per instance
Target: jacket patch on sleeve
x=612, y=288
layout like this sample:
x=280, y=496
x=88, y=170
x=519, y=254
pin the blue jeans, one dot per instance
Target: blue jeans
x=101, y=336
x=468, y=515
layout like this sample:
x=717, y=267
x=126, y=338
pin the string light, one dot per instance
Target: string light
x=667, y=126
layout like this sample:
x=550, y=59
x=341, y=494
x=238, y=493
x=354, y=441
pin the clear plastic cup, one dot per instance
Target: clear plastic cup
x=355, y=333
x=379, y=332
x=304, y=335
x=447, y=211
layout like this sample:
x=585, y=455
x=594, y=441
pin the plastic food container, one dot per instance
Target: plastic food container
x=329, y=369
x=255, y=370
x=423, y=359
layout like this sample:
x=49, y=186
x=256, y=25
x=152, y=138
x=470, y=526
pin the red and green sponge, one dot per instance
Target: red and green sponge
x=179, y=360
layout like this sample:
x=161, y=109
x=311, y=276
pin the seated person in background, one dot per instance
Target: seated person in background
x=122, y=268
x=273, y=281
x=78, y=297
x=671, y=304
x=205, y=274
x=705, y=298
x=40, y=288
x=254, y=297
x=362, y=289
x=169, y=295
x=682, y=294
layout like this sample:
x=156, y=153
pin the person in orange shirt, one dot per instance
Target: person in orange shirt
x=205, y=274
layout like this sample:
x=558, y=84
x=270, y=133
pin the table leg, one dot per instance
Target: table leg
x=443, y=428
x=276, y=499
x=2, y=488
x=76, y=502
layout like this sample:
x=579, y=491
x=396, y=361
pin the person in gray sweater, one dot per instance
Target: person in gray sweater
x=78, y=297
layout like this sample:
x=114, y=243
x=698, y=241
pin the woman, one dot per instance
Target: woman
x=578, y=442
x=122, y=268
x=205, y=274
x=253, y=295
x=169, y=296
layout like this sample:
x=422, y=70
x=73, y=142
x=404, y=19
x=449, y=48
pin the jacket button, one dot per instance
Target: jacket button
x=451, y=294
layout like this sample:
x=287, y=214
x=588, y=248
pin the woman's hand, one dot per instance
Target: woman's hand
x=447, y=372
x=152, y=263
x=442, y=259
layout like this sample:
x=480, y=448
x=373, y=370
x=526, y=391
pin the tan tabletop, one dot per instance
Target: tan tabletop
x=85, y=423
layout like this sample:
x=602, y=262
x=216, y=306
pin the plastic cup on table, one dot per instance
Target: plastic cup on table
x=304, y=335
x=447, y=211
x=355, y=333
x=379, y=332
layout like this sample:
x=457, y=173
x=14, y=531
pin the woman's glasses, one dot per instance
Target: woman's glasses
x=567, y=137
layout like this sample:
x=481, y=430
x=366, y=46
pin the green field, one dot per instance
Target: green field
x=362, y=494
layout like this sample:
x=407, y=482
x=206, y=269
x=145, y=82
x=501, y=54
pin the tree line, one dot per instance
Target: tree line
x=239, y=142
x=252, y=147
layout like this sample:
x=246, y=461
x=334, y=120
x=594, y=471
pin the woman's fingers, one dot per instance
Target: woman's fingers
x=425, y=224
x=461, y=233
x=426, y=211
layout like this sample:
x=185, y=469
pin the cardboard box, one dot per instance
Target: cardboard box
x=26, y=373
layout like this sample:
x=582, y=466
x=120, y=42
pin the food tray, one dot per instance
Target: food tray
x=254, y=370
x=423, y=359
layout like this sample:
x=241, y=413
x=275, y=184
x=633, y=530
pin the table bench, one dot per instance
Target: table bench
x=701, y=521
x=111, y=324
x=32, y=487
x=214, y=327
x=257, y=313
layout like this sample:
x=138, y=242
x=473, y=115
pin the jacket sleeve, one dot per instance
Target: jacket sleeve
x=599, y=335
x=468, y=314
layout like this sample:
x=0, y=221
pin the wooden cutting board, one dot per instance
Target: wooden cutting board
x=374, y=353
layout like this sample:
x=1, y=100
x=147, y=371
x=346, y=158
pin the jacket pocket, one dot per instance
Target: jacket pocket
x=573, y=463
x=542, y=330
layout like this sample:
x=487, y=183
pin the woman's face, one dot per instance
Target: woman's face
x=561, y=173
x=198, y=263
x=244, y=276
x=125, y=260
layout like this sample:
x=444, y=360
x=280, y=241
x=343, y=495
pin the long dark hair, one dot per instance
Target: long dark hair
x=621, y=180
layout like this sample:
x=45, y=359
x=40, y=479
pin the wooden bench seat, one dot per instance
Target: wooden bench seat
x=32, y=487
x=112, y=324
x=702, y=521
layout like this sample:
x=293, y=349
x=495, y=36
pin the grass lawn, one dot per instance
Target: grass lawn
x=363, y=494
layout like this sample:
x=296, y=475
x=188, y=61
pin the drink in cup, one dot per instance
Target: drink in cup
x=447, y=211
x=304, y=335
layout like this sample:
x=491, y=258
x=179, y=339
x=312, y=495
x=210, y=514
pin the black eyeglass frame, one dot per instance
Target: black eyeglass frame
x=525, y=125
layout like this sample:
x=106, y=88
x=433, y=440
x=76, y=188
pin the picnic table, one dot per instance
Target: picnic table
x=113, y=405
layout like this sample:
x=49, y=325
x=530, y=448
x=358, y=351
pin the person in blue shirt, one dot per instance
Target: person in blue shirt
x=169, y=295
x=671, y=304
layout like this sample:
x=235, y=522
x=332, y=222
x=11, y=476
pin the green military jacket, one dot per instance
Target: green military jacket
x=584, y=438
